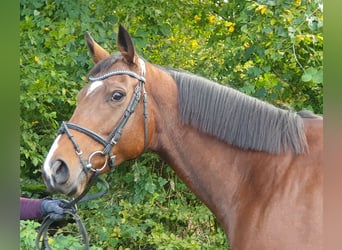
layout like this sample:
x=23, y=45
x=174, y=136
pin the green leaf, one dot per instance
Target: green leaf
x=312, y=74
x=306, y=77
x=150, y=187
x=318, y=77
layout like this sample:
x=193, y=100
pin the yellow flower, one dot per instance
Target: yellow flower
x=197, y=18
x=262, y=8
x=228, y=24
x=36, y=58
x=320, y=37
x=194, y=44
x=211, y=19
x=231, y=26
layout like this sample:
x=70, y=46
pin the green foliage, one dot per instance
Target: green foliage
x=270, y=49
x=28, y=234
x=29, y=230
x=151, y=209
x=145, y=209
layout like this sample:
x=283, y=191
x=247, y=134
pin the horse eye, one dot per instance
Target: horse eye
x=117, y=96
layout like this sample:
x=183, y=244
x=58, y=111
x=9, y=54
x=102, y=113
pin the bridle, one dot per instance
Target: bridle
x=71, y=206
x=115, y=135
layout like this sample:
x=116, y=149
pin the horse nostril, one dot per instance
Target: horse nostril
x=61, y=171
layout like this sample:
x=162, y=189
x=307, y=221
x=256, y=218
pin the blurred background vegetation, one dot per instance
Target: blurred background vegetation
x=272, y=50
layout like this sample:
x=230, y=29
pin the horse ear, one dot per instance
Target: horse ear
x=125, y=45
x=96, y=51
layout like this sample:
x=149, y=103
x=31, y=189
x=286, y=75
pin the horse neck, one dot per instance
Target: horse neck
x=215, y=171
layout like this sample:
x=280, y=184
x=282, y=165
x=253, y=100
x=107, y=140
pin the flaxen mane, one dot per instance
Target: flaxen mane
x=236, y=118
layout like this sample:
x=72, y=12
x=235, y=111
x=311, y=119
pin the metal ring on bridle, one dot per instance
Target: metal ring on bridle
x=91, y=156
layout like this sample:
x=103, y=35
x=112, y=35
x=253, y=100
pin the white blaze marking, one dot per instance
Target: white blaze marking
x=94, y=86
x=47, y=162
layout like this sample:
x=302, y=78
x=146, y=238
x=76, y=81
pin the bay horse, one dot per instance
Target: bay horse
x=257, y=167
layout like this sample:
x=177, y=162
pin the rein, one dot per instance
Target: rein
x=108, y=144
x=70, y=209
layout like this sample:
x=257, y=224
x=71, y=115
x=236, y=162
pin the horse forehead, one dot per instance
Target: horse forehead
x=93, y=86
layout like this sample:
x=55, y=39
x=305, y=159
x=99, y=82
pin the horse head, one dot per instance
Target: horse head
x=109, y=124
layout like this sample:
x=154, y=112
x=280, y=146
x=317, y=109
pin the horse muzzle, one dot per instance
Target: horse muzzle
x=57, y=178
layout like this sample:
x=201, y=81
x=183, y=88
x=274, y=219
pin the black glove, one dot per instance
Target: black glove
x=53, y=207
